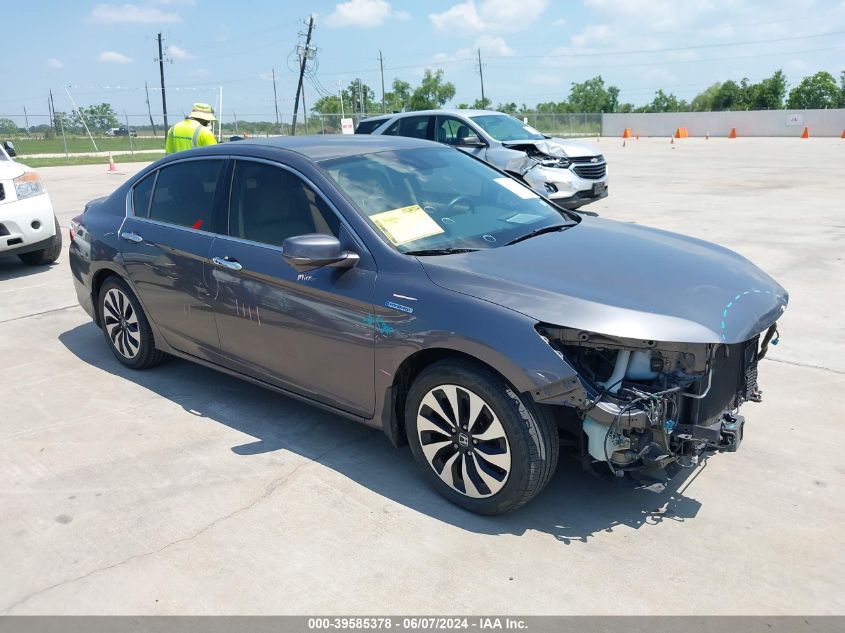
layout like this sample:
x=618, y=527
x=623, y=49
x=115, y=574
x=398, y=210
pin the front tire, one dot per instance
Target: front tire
x=45, y=255
x=126, y=327
x=478, y=442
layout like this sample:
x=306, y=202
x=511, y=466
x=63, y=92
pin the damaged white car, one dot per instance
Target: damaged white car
x=571, y=173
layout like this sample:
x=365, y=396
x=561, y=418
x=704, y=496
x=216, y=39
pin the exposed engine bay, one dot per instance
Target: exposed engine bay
x=650, y=404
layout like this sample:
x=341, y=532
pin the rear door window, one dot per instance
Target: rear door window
x=184, y=193
x=413, y=126
x=141, y=195
x=367, y=127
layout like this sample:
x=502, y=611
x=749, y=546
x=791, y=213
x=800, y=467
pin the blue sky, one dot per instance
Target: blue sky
x=532, y=49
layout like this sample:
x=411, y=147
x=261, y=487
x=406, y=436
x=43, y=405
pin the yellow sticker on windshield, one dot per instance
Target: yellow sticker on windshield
x=406, y=224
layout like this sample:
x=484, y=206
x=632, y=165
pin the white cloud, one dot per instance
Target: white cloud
x=493, y=45
x=112, y=13
x=489, y=15
x=179, y=53
x=113, y=57
x=363, y=14
x=54, y=63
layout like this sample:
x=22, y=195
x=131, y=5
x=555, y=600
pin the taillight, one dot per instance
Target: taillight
x=74, y=226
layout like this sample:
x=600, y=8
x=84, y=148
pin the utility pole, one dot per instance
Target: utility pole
x=276, y=101
x=26, y=119
x=51, y=110
x=340, y=92
x=149, y=112
x=361, y=97
x=303, y=58
x=381, y=67
x=481, y=74
x=161, y=72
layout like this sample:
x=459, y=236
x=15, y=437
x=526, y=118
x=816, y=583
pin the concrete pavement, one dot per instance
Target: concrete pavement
x=181, y=490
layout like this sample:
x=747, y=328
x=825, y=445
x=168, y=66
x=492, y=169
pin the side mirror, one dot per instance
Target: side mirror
x=317, y=250
x=471, y=141
x=10, y=148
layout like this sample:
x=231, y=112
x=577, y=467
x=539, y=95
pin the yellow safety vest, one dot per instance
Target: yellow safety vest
x=188, y=134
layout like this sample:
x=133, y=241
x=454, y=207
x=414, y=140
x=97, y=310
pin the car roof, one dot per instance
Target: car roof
x=322, y=147
x=452, y=111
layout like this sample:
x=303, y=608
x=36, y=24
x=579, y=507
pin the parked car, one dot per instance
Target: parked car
x=124, y=131
x=112, y=131
x=415, y=288
x=569, y=172
x=28, y=226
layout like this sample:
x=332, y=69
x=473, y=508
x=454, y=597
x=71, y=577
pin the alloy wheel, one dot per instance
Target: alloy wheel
x=463, y=441
x=121, y=322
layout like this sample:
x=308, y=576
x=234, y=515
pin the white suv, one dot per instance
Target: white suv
x=571, y=173
x=28, y=226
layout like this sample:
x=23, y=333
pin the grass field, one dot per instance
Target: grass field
x=58, y=161
x=26, y=146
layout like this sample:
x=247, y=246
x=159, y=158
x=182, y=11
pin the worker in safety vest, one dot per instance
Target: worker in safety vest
x=193, y=131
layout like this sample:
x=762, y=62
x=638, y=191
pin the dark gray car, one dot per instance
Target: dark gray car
x=416, y=289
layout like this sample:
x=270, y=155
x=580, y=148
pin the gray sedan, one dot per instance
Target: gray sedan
x=416, y=289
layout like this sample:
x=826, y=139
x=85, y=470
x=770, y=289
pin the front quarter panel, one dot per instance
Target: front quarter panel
x=411, y=314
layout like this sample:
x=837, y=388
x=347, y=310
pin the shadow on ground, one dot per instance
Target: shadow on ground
x=11, y=268
x=574, y=507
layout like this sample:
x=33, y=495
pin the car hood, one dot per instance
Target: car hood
x=559, y=147
x=621, y=280
x=10, y=169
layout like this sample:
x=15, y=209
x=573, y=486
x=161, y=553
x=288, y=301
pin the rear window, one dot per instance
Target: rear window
x=184, y=193
x=367, y=126
x=412, y=126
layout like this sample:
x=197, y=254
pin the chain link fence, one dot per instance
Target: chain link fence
x=40, y=136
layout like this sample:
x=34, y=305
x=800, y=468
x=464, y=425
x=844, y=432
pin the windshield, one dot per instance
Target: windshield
x=440, y=199
x=506, y=128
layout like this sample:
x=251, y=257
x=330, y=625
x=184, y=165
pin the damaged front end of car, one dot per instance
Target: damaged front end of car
x=649, y=404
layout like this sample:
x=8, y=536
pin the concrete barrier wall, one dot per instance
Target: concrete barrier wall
x=747, y=123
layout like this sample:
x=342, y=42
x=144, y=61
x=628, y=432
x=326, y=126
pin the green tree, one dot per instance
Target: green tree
x=508, y=108
x=842, y=89
x=728, y=97
x=432, y=92
x=662, y=102
x=766, y=95
x=482, y=104
x=703, y=101
x=591, y=96
x=399, y=97
x=98, y=117
x=7, y=126
x=817, y=91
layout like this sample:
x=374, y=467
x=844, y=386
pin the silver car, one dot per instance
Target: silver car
x=569, y=172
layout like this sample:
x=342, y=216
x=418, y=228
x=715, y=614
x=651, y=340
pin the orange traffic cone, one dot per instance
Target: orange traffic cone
x=112, y=166
x=626, y=133
x=805, y=133
x=733, y=133
x=843, y=134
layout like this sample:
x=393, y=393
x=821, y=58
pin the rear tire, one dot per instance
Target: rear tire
x=45, y=255
x=126, y=327
x=478, y=442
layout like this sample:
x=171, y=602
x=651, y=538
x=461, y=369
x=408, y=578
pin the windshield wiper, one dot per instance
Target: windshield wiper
x=540, y=231
x=441, y=251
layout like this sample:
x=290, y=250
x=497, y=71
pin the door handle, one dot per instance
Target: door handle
x=225, y=262
x=132, y=237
